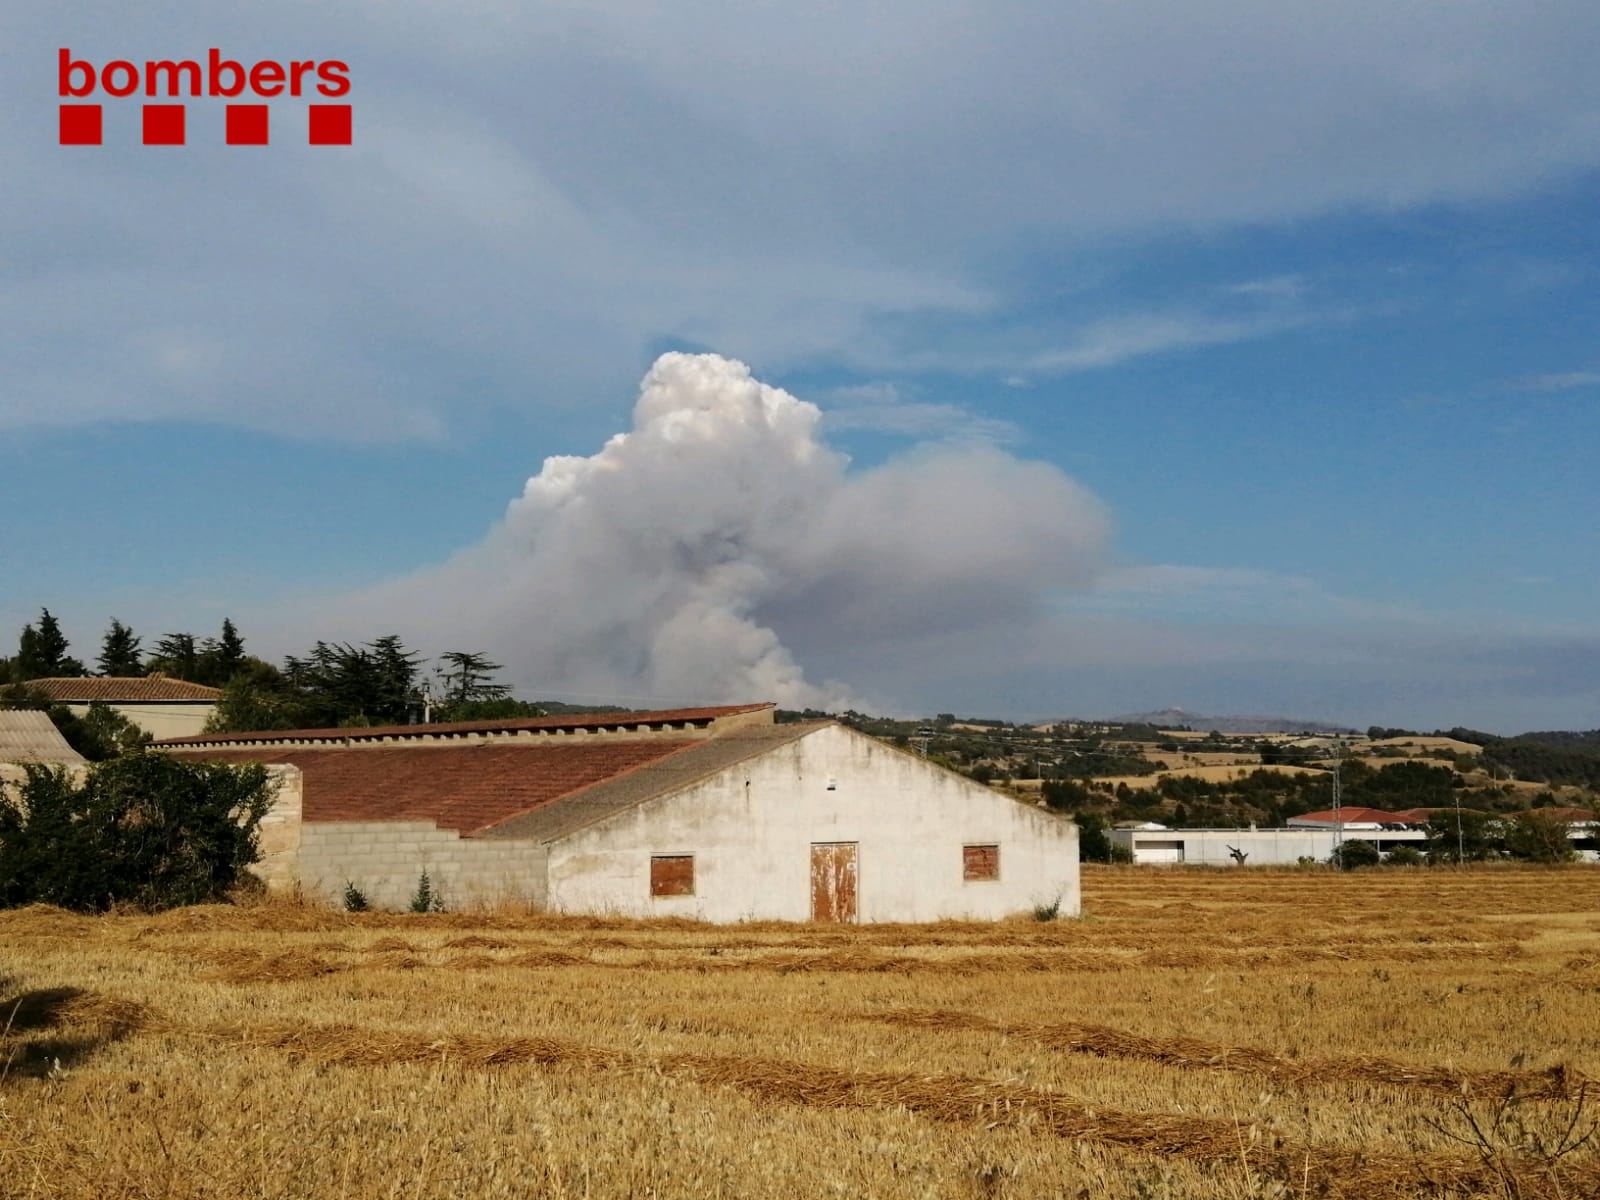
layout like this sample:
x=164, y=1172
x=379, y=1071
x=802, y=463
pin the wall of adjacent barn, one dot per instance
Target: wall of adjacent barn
x=385, y=859
x=750, y=829
x=160, y=719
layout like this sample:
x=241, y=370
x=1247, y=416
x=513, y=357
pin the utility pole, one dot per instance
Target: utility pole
x=1338, y=803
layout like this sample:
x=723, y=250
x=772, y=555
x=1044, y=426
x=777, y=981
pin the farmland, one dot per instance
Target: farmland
x=1197, y=1033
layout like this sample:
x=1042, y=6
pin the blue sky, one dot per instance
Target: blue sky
x=1304, y=299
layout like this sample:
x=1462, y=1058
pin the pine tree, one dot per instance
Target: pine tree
x=467, y=677
x=230, y=651
x=42, y=651
x=177, y=655
x=119, y=651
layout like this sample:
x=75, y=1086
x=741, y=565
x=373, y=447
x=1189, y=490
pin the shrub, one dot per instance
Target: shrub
x=1356, y=853
x=147, y=830
x=1405, y=856
x=1047, y=912
x=355, y=900
x=426, y=898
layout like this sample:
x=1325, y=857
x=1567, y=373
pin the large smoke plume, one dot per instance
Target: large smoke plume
x=707, y=552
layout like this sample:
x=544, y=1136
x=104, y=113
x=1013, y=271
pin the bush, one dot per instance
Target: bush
x=1405, y=856
x=355, y=900
x=147, y=830
x=1094, y=845
x=1356, y=854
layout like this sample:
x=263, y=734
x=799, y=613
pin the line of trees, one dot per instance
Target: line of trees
x=334, y=684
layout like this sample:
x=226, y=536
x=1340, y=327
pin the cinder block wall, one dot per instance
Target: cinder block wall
x=385, y=859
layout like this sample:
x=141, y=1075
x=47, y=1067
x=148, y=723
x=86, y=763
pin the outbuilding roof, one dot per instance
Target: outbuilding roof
x=115, y=689
x=1356, y=816
x=27, y=735
x=538, y=791
x=614, y=721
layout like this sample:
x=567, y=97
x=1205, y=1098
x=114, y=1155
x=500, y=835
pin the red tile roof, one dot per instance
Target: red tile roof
x=1573, y=816
x=1362, y=816
x=111, y=689
x=617, y=720
x=464, y=788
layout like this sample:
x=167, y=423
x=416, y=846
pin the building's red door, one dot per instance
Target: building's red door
x=833, y=881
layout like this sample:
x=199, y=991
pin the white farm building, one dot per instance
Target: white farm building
x=717, y=814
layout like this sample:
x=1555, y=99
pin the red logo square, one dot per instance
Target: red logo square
x=330, y=124
x=80, y=124
x=247, y=124
x=163, y=124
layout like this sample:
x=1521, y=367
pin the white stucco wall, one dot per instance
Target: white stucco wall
x=165, y=719
x=751, y=828
x=385, y=859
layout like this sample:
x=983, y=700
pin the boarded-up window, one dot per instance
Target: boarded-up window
x=980, y=862
x=672, y=874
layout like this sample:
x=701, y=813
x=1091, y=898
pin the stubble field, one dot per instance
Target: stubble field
x=1198, y=1033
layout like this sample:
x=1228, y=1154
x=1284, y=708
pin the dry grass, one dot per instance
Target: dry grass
x=1198, y=1034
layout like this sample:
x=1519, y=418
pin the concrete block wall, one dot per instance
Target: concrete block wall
x=385, y=859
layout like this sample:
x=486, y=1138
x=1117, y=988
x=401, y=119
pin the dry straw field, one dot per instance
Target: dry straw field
x=1196, y=1034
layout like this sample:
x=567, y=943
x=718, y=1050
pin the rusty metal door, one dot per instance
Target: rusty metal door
x=833, y=881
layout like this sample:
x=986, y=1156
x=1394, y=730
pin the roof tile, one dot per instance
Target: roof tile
x=464, y=788
x=111, y=689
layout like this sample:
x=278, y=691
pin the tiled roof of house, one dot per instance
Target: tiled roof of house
x=572, y=721
x=112, y=689
x=463, y=788
x=30, y=736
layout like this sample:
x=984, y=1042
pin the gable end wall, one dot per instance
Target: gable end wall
x=750, y=828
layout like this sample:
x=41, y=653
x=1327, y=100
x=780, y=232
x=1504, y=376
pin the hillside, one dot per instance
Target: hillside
x=1173, y=718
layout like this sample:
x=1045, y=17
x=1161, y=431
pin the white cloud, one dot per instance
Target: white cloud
x=1564, y=381
x=681, y=558
x=881, y=408
x=539, y=194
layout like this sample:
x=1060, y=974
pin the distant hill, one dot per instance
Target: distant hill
x=1172, y=718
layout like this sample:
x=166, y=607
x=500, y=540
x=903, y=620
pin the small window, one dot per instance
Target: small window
x=672, y=874
x=979, y=863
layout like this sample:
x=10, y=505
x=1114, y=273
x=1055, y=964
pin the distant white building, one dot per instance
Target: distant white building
x=1259, y=847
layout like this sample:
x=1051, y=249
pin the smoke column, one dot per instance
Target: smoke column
x=691, y=556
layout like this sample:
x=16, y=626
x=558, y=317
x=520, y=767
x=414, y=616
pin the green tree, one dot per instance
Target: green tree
x=146, y=829
x=119, y=651
x=1539, y=837
x=469, y=676
x=1094, y=843
x=42, y=651
x=1461, y=835
x=1064, y=794
x=219, y=659
x=257, y=697
x=178, y=656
